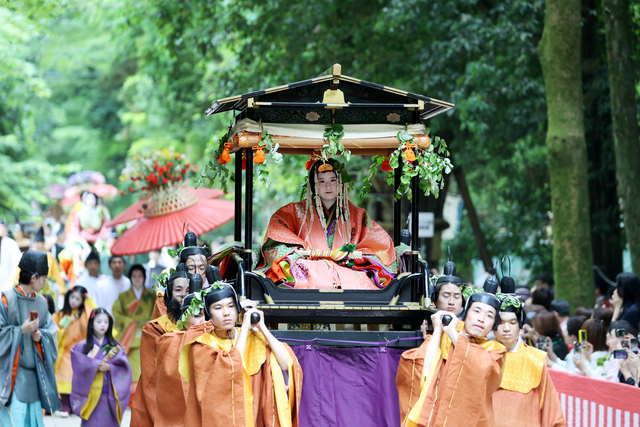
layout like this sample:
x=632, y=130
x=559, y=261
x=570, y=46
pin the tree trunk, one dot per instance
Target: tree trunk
x=559, y=52
x=478, y=234
x=625, y=123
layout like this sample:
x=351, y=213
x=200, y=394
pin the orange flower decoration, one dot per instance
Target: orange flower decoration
x=224, y=157
x=408, y=152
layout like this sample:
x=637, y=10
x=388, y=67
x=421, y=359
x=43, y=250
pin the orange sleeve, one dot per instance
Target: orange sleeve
x=5, y=302
x=15, y=367
x=39, y=346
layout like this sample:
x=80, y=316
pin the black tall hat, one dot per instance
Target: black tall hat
x=191, y=247
x=216, y=294
x=507, y=284
x=484, y=298
x=34, y=262
x=179, y=273
x=213, y=275
x=38, y=236
x=449, y=272
x=507, y=305
x=491, y=283
x=195, y=283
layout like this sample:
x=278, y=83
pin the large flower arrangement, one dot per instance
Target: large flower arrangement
x=153, y=172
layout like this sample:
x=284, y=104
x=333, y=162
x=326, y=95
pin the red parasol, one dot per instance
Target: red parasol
x=72, y=194
x=164, y=218
x=135, y=211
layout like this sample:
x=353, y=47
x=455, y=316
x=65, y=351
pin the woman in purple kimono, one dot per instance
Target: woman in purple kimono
x=101, y=375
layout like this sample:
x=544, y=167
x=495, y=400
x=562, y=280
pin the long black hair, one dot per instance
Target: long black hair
x=66, y=308
x=88, y=345
x=628, y=286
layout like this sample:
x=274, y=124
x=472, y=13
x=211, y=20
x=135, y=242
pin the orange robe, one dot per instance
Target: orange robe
x=172, y=389
x=143, y=407
x=459, y=386
x=159, y=309
x=527, y=396
x=71, y=330
x=229, y=390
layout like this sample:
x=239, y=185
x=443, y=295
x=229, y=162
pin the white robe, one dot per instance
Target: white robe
x=9, y=258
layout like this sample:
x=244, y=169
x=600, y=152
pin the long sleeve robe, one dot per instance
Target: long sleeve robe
x=130, y=316
x=527, y=396
x=455, y=390
x=229, y=390
x=143, y=407
x=26, y=367
x=99, y=398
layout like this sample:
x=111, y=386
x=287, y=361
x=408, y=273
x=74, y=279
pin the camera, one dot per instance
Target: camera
x=620, y=332
x=633, y=342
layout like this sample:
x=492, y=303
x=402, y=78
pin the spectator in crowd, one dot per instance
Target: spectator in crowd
x=604, y=314
x=594, y=360
x=89, y=280
x=573, y=326
x=59, y=244
x=562, y=310
x=110, y=287
x=546, y=325
x=544, y=281
x=628, y=368
x=626, y=298
x=584, y=311
x=543, y=297
x=602, y=293
x=9, y=257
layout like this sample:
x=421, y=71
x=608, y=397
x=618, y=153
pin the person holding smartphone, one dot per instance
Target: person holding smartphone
x=595, y=359
x=623, y=344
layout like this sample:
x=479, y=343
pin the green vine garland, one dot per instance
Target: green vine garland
x=430, y=166
x=161, y=281
x=197, y=304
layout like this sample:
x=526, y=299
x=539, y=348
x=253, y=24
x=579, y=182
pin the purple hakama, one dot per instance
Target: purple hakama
x=115, y=393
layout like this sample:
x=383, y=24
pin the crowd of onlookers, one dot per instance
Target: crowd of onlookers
x=597, y=342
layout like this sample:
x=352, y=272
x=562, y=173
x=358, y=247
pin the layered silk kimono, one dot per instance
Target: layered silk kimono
x=99, y=398
x=130, y=316
x=27, y=379
x=289, y=231
x=456, y=389
x=229, y=390
x=71, y=330
x=143, y=407
x=527, y=396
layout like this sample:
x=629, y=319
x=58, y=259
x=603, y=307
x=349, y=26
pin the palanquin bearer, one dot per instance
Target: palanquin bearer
x=192, y=259
x=450, y=378
x=28, y=347
x=177, y=286
x=239, y=376
x=527, y=396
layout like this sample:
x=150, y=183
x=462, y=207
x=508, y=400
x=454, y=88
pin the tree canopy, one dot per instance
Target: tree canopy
x=89, y=82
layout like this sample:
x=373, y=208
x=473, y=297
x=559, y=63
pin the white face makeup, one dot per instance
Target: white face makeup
x=75, y=299
x=479, y=320
x=328, y=188
x=224, y=313
x=100, y=325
